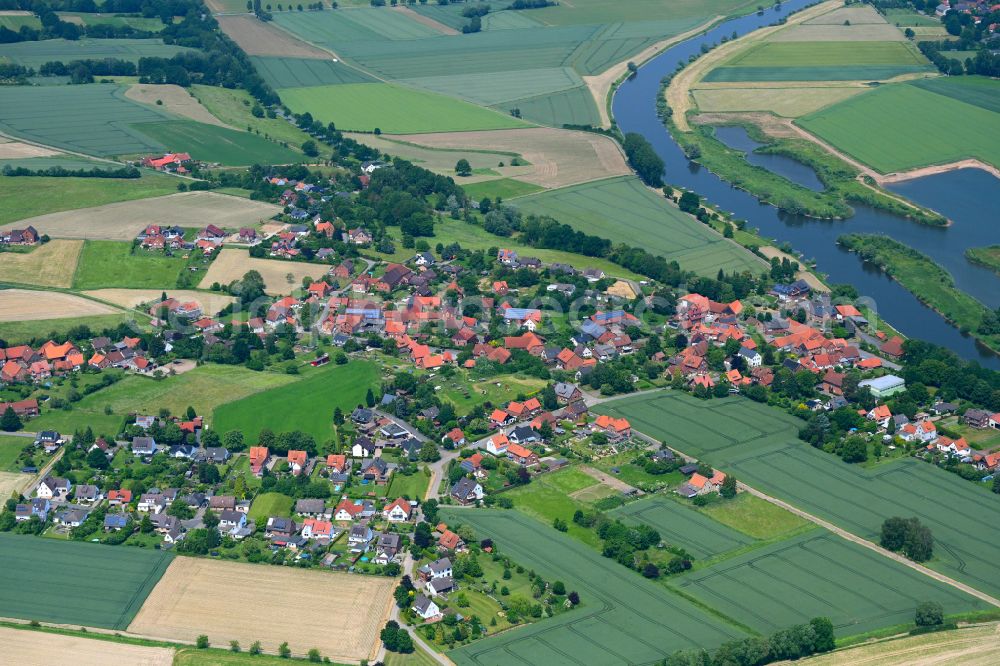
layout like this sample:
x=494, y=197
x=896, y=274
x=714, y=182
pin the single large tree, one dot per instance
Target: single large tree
x=10, y=421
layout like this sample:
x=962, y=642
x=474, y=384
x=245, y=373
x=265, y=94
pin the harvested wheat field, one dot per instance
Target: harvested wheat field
x=15, y=150
x=264, y=39
x=280, y=277
x=122, y=221
x=175, y=99
x=558, y=157
x=338, y=614
x=210, y=302
x=49, y=265
x=26, y=304
x=970, y=646
x=37, y=648
x=789, y=102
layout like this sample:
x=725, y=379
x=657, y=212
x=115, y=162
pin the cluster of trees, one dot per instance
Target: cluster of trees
x=55, y=28
x=396, y=638
x=62, y=172
x=644, y=159
x=530, y=4
x=908, y=536
x=985, y=63
x=932, y=365
x=798, y=641
x=12, y=74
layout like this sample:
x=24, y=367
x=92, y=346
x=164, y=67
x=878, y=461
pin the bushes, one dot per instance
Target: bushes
x=798, y=641
x=644, y=159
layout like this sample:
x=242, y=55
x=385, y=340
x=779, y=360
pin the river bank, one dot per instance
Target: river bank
x=929, y=283
x=988, y=257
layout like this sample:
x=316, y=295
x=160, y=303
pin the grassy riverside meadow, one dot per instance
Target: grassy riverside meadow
x=760, y=445
x=925, y=279
x=95, y=585
x=985, y=256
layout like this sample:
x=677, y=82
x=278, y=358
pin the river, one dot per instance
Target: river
x=959, y=195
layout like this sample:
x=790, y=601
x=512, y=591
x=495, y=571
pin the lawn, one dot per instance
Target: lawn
x=97, y=586
x=203, y=388
x=679, y=524
x=464, y=392
x=632, y=474
x=623, y=618
x=412, y=487
x=94, y=119
x=211, y=143
x=270, y=504
x=116, y=264
x=819, y=574
x=505, y=188
x=755, y=517
x=392, y=109
x=626, y=211
x=869, y=128
x=306, y=405
x=760, y=446
x=29, y=196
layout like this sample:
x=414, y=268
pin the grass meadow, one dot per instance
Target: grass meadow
x=871, y=127
x=113, y=264
x=626, y=211
x=761, y=447
x=233, y=107
x=623, y=617
x=14, y=331
x=392, y=109
x=266, y=505
x=70, y=582
x=307, y=404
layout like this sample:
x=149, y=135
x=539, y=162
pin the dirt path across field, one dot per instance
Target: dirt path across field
x=600, y=84
x=679, y=91
x=426, y=20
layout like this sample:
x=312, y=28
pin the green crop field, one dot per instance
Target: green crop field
x=600, y=11
x=64, y=161
x=814, y=73
x=203, y=388
x=821, y=61
x=305, y=405
x=354, y=24
x=94, y=119
x=76, y=583
x=303, y=72
x=819, y=574
x=29, y=196
x=212, y=143
x=682, y=525
x=870, y=128
x=36, y=54
x=393, y=109
x=907, y=17
x=15, y=22
x=623, y=618
x=624, y=210
x=500, y=86
x=760, y=446
x=820, y=54
x=112, y=264
x=234, y=107
x=449, y=15
x=976, y=90
x=574, y=107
